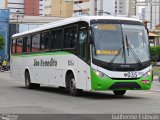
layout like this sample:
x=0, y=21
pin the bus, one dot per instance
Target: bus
x=87, y=53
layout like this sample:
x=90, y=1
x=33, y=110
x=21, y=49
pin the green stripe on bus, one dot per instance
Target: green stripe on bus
x=41, y=54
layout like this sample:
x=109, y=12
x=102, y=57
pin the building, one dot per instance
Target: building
x=31, y=7
x=125, y=7
x=42, y=7
x=114, y=7
x=15, y=5
x=58, y=8
x=84, y=7
x=158, y=27
x=143, y=14
x=4, y=30
x=63, y=8
x=152, y=13
x=2, y=4
x=25, y=7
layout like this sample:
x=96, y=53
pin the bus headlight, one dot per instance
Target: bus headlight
x=100, y=74
x=147, y=74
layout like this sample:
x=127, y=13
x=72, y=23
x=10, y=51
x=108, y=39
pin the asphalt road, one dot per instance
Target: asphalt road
x=16, y=99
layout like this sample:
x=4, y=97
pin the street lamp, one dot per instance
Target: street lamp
x=17, y=15
x=76, y=5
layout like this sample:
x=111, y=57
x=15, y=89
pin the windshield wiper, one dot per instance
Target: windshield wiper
x=135, y=55
x=127, y=44
x=119, y=51
x=114, y=58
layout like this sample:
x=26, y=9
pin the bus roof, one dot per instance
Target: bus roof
x=72, y=20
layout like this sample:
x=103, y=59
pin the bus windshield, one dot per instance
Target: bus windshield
x=120, y=43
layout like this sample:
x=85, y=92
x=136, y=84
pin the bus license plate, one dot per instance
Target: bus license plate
x=130, y=74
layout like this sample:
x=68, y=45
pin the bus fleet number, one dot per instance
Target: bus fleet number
x=131, y=74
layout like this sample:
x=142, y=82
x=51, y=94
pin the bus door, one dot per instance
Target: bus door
x=82, y=63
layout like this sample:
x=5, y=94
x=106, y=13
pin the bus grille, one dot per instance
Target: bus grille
x=125, y=85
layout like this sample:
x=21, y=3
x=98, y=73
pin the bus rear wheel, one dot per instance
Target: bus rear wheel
x=28, y=83
x=72, y=87
x=119, y=92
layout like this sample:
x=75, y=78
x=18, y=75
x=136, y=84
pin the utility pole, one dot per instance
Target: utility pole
x=135, y=7
x=17, y=15
x=151, y=15
x=101, y=7
x=17, y=24
x=155, y=13
x=159, y=11
x=6, y=4
x=129, y=8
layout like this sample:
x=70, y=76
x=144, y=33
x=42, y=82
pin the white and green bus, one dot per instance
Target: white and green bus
x=91, y=53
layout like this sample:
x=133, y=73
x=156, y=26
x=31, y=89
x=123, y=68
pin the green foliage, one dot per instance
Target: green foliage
x=155, y=54
x=155, y=50
x=2, y=43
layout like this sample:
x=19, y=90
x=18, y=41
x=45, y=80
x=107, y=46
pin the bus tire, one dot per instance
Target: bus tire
x=72, y=86
x=28, y=83
x=119, y=92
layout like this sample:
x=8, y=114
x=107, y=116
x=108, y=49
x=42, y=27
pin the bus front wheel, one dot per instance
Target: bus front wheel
x=28, y=83
x=72, y=87
x=119, y=92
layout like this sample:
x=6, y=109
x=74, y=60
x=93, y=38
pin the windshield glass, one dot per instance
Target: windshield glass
x=120, y=43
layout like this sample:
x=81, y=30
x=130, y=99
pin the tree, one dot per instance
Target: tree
x=2, y=43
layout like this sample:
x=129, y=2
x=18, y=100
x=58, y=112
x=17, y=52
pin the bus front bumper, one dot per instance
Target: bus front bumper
x=98, y=83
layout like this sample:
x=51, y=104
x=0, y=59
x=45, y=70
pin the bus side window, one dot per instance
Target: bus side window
x=28, y=44
x=56, y=39
x=70, y=37
x=19, y=45
x=24, y=49
x=13, y=46
x=83, y=44
x=36, y=43
x=45, y=43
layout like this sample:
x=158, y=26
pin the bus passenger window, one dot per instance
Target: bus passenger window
x=36, y=43
x=70, y=37
x=14, y=46
x=28, y=44
x=45, y=45
x=56, y=39
x=19, y=45
x=24, y=49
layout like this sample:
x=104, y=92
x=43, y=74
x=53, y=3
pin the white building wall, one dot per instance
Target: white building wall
x=118, y=7
x=48, y=7
x=42, y=7
x=2, y=4
x=152, y=15
x=86, y=5
x=107, y=6
x=15, y=5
